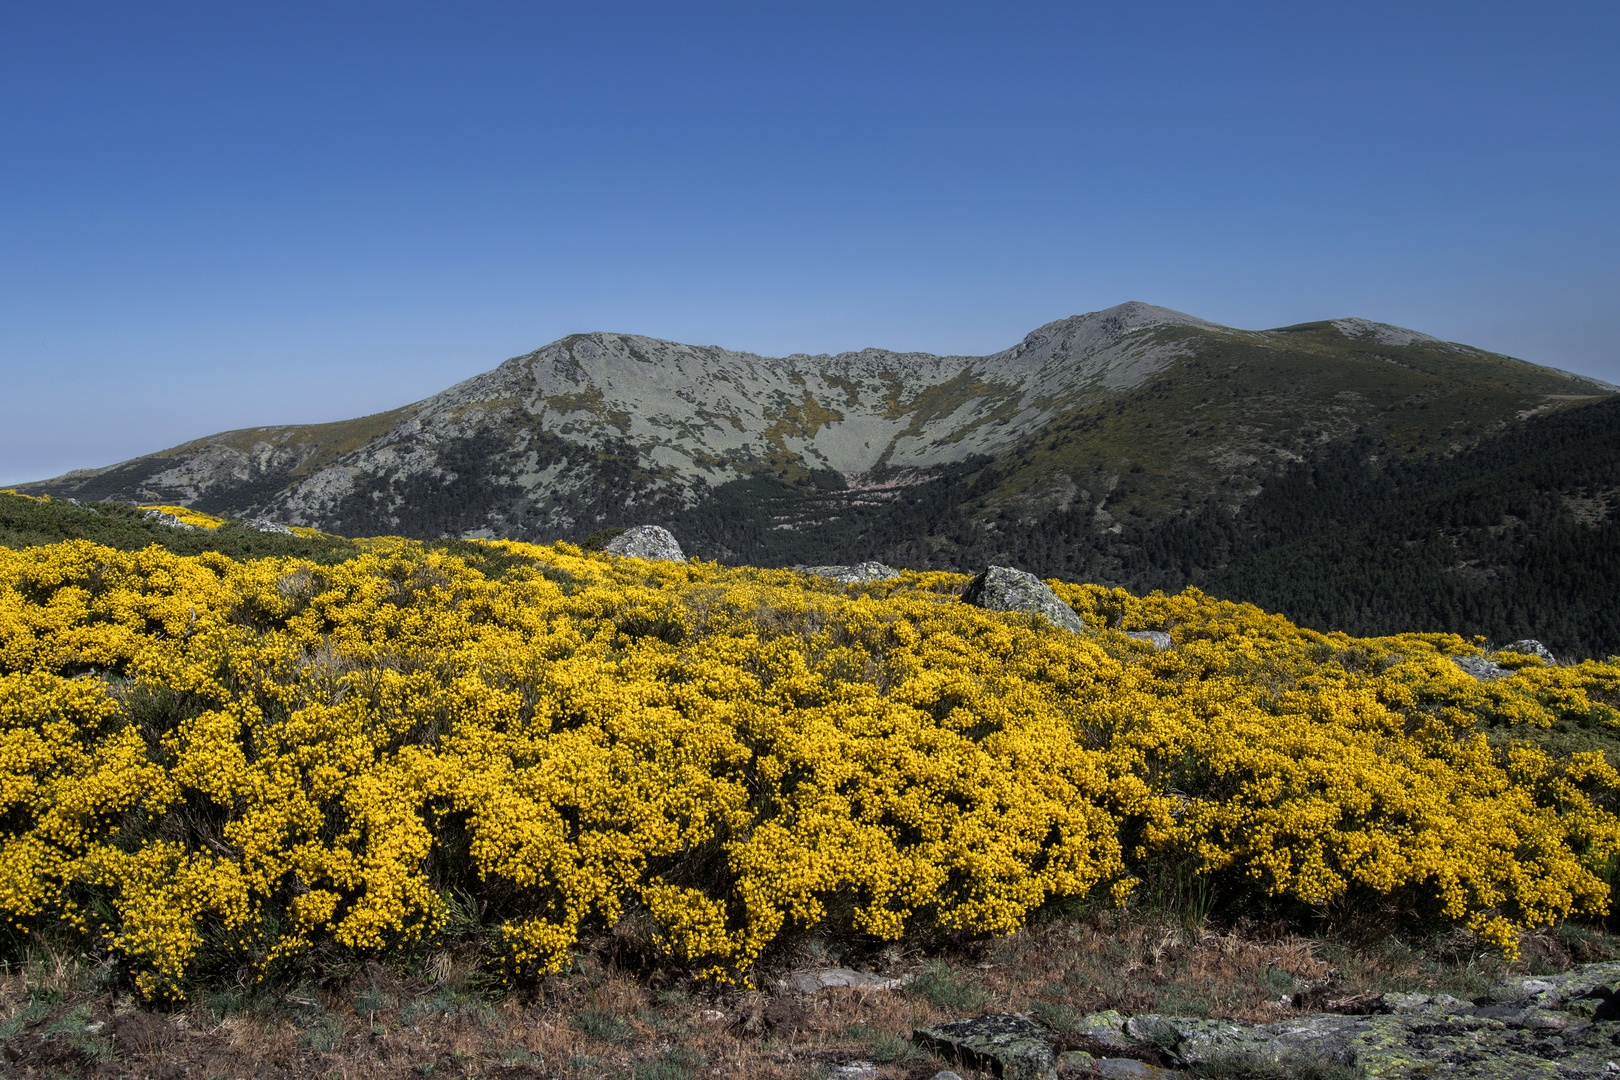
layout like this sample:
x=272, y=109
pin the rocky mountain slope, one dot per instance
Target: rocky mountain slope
x=1132, y=413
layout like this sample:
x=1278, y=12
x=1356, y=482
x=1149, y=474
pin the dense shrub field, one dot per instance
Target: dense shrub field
x=210, y=765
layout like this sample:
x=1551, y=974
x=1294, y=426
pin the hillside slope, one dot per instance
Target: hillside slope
x=1132, y=412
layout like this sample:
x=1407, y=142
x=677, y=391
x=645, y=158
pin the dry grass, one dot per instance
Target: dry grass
x=58, y=1017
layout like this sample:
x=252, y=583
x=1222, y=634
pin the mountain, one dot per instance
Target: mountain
x=1352, y=474
x=1134, y=412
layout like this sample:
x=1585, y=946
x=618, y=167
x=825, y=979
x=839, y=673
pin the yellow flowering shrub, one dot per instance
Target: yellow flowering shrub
x=206, y=761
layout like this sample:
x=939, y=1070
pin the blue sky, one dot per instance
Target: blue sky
x=220, y=215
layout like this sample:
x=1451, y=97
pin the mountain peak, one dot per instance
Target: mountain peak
x=1383, y=333
x=1122, y=319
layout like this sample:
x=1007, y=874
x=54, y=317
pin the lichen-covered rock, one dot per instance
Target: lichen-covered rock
x=1531, y=647
x=646, y=542
x=1158, y=638
x=1481, y=668
x=1557, y=1026
x=1579, y=990
x=859, y=574
x=1001, y=588
x=1007, y=1046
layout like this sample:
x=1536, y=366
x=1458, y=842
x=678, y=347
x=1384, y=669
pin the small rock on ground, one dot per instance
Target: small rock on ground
x=808, y=982
x=1159, y=639
x=646, y=542
x=1001, y=588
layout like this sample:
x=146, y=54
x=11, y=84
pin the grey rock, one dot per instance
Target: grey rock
x=808, y=982
x=1558, y=1026
x=267, y=526
x=945, y=1074
x=859, y=574
x=1107, y=1028
x=1007, y=1046
x=1411, y=1003
x=1579, y=991
x=1131, y=1069
x=854, y=1070
x=1001, y=588
x=166, y=519
x=1481, y=668
x=1532, y=647
x=646, y=542
x=1159, y=638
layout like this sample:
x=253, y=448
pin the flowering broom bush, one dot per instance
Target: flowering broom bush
x=202, y=758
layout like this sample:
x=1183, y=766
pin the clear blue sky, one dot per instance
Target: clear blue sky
x=215, y=215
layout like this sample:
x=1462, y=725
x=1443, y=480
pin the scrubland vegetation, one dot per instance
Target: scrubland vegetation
x=514, y=767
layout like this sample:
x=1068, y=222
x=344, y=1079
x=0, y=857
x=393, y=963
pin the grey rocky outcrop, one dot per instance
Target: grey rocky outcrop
x=163, y=518
x=1486, y=670
x=1565, y=1026
x=1001, y=588
x=1531, y=647
x=266, y=526
x=1481, y=668
x=646, y=542
x=1007, y=1046
x=1158, y=638
x=859, y=574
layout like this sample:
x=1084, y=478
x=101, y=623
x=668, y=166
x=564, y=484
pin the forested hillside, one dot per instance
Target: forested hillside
x=1517, y=536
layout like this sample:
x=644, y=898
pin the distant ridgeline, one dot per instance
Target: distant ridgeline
x=1349, y=474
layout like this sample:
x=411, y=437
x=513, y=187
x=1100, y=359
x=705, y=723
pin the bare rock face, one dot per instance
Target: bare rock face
x=1001, y=588
x=859, y=574
x=646, y=542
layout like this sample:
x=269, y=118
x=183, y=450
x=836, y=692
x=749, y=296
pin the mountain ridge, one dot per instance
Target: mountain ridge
x=594, y=429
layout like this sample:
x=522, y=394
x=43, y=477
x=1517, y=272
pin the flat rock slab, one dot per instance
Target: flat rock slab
x=1001, y=588
x=646, y=542
x=859, y=574
x=1006, y=1046
x=1157, y=638
x=808, y=982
